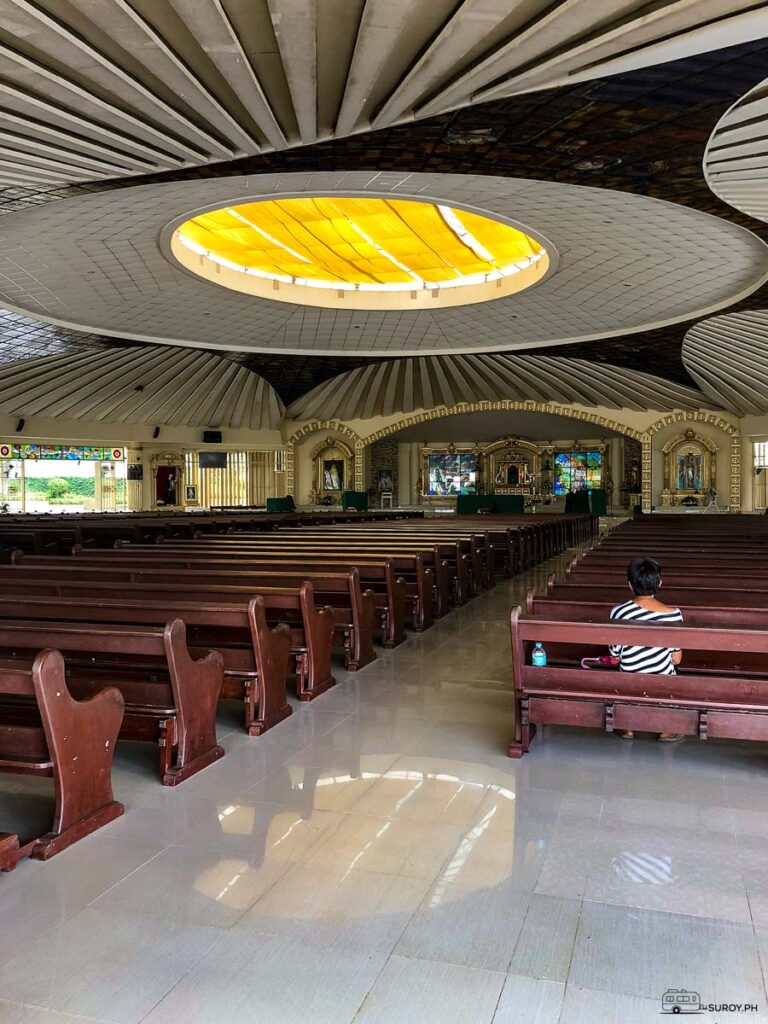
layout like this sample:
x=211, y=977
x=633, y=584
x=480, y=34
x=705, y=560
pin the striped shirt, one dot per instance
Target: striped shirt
x=654, y=660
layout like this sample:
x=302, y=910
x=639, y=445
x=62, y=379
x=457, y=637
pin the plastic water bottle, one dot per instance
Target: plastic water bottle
x=539, y=656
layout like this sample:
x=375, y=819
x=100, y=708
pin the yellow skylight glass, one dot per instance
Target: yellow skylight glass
x=358, y=244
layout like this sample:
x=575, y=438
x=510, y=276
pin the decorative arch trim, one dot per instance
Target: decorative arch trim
x=313, y=426
x=679, y=439
x=503, y=406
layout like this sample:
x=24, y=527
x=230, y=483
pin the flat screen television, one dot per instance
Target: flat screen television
x=212, y=460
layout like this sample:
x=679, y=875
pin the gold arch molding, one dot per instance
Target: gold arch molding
x=503, y=406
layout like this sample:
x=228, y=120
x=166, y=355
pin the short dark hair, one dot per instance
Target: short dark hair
x=644, y=575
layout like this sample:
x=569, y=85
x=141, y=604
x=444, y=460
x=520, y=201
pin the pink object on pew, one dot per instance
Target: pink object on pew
x=605, y=659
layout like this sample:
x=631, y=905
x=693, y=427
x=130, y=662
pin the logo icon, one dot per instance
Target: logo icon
x=681, y=1000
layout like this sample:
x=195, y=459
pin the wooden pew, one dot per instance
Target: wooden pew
x=425, y=570
x=455, y=563
x=574, y=609
x=255, y=656
x=57, y=737
x=725, y=704
x=395, y=581
x=353, y=609
x=170, y=699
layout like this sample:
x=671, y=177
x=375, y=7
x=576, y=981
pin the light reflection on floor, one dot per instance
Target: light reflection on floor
x=378, y=858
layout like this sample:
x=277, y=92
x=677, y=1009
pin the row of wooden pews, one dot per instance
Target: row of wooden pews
x=713, y=570
x=169, y=621
x=50, y=534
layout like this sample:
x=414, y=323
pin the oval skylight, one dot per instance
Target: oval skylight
x=359, y=252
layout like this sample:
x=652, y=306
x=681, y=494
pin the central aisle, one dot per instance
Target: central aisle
x=378, y=859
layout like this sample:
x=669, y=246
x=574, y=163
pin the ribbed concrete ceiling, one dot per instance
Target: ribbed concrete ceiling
x=727, y=356
x=405, y=385
x=94, y=89
x=736, y=157
x=166, y=386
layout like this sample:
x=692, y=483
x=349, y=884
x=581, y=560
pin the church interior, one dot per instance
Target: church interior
x=383, y=474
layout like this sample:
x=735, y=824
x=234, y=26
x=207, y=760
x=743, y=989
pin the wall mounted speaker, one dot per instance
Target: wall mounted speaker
x=20, y=426
x=156, y=432
x=212, y=437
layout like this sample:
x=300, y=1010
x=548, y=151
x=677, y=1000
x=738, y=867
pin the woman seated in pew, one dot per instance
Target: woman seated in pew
x=644, y=577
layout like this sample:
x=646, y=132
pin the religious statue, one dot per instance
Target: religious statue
x=333, y=474
x=169, y=495
x=689, y=471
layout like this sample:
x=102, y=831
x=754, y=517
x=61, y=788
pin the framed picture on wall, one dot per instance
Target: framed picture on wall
x=385, y=481
x=190, y=494
x=333, y=475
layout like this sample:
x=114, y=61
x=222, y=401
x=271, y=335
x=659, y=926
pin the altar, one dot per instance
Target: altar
x=689, y=472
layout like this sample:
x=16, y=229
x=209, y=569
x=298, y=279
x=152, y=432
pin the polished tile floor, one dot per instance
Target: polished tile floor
x=378, y=859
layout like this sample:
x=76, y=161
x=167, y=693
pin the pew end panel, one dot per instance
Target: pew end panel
x=73, y=744
x=314, y=666
x=524, y=729
x=393, y=624
x=265, y=696
x=359, y=646
x=196, y=687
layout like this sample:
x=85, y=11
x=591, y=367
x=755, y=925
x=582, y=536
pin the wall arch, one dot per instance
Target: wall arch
x=439, y=412
x=357, y=443
x=603, y=422
x=713, y=420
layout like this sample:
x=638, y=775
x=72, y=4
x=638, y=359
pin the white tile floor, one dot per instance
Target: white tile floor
x=378, y=859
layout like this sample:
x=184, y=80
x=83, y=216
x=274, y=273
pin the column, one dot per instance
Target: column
x=616, y=455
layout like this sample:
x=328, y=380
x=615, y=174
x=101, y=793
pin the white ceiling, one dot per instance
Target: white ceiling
x=107, y=88
x=727, y=356
x=161, y=385
x=489, y=426
x=405, y=385
x=624, y=263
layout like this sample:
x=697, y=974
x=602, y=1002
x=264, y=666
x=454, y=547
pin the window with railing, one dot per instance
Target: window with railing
x=760, y=462
x=236, y=478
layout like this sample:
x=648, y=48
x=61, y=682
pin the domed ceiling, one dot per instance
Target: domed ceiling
x=641, y=131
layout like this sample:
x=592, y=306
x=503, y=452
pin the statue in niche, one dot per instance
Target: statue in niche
x=689, y=471
x=169, y=493
x=633, y=477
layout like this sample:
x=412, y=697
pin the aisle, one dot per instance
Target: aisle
x=378, y=859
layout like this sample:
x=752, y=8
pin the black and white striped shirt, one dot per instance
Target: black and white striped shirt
x=654, y=660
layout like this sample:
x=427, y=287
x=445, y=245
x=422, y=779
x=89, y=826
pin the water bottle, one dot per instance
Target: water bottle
x=539, y=657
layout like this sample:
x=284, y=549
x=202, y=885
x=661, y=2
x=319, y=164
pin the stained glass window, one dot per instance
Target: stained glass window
x=452, y=474
x=575, y=471
x=73, y=452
